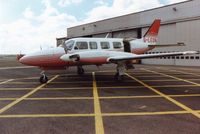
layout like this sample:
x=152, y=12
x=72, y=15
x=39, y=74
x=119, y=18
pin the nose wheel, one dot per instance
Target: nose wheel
x=80, y=70
x=43, y=79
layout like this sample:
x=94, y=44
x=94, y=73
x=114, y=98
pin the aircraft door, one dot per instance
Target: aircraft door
x=127, y=46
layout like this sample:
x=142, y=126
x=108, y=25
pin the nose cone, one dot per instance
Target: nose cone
x=25, y=60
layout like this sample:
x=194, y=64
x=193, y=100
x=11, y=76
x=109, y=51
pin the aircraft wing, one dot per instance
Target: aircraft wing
x=145, y=56
x=168, y=45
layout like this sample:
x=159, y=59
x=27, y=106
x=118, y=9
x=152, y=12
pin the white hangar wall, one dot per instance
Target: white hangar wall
x=179, y=23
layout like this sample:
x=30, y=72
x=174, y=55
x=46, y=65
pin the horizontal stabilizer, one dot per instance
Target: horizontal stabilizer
x=167, y=45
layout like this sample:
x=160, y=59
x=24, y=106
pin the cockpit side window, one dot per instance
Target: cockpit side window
x=69, y=45
x=80, y=45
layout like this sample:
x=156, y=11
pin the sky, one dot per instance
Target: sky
x=29, y=25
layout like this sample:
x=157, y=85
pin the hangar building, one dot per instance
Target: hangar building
x=180, y=22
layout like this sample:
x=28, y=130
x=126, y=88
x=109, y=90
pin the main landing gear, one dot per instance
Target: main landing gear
x=119, y=76
x=80, y=70
x=43, y=78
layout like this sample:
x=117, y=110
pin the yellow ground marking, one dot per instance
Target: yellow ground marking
x=70, y=88
x=176, y=86
x=91, y=114
x=146, y=113
x=154, y=76
x=106, y=97
x=14, y=89
x=130, y=97
x=61, y=98
x=4, y=68
x=131, y=87
x=23, y=83
x=71, y=82
x=186, y=73
x=49, y=89
x=99, y=128
x=167, y=97
x=44, y=115
x=74, y=88
x=162, y=74
x=119, y=87
x=3, y=99
x=6, y=81
x=185, y=95
x=161, y=80
x=185, y=69
x=25, y=96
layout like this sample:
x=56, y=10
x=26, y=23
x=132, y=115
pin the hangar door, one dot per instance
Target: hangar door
x=126, y=34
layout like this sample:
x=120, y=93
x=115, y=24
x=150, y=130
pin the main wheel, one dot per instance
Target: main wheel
x=80, y=71
x=119, y=77
x=43, y=79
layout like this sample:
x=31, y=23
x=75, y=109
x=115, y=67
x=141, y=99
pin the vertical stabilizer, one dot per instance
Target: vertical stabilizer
x=152, y=33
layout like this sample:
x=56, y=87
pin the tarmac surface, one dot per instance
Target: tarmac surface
x=151, y=100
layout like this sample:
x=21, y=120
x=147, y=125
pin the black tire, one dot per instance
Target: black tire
x=119, y=77
x=81, y=71
x=43, y=79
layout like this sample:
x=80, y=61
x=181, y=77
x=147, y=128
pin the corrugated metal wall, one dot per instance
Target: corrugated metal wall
x=187, y=32
x=180, y=23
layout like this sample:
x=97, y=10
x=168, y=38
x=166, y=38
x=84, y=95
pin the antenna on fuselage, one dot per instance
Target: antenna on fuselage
x=40, y=47
x=107, y=35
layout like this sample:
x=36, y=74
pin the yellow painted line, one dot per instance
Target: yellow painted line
x=3, y=99
x=61, y=98
x=106, y=97
x=197, y=84
x=25, y=96
x=23, y=83
x=160, y=80
x=117, y=87
x=152, y=76
x=70, y=88
x=146, y=113
x=6, y=81
x=53, y=98
x=147, y=96
x=4, y=68
x=167, y=97
x=130, y=97
x=186, y=73
x=99, y=128
x=14, y=89
x=71, y=82
x=176, y=86
x=91, y=114
x=44, y=115
x=132, y=87
x=185, y=95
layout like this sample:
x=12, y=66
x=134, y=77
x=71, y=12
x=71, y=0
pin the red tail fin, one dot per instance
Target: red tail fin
x=154, y=29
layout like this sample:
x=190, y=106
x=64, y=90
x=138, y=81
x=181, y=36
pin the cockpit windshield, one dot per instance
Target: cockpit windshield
x=68, y=45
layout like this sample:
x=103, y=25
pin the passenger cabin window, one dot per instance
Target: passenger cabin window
x=81, y=45
x=117, y=45
x=105, y=45
x=93, y=45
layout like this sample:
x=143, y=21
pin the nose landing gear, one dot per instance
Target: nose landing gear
x=43, y=78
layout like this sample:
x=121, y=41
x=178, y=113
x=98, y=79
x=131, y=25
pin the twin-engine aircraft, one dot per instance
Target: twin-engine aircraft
x=97, y=51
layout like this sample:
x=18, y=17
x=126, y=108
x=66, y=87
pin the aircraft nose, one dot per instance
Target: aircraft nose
x=25, y=60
